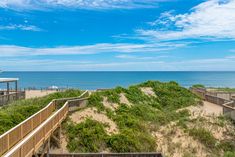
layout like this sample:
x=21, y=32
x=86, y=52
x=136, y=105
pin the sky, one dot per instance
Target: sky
x=117, y=35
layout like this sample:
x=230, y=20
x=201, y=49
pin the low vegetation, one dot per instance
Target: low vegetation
x=226, y=89
x=148, y=117
x=16, y=112
x=198, y=86
x=136, y=123
x=161, y=122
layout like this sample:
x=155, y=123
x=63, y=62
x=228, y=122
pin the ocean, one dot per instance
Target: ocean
x=97, y=80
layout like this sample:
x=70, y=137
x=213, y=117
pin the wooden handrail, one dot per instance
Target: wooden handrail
x=7, y=98
x=29, y=145
x=17, y=133
x=227, y=105
x=18, y=92
x=138, y=154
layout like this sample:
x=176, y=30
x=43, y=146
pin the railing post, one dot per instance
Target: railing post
x=8, y=142
x=21, y=131
x=48, y=147
x=8, y=91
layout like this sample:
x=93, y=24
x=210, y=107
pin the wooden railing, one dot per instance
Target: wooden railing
x=107, y=155
x=7, y=98
x=229, y=109
x=31, y=125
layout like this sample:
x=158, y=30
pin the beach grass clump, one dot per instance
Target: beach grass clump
x=204, y=136
x=210, y=142
x=171, y=96
x=17, y=111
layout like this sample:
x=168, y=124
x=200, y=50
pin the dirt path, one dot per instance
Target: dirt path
x=210, y=108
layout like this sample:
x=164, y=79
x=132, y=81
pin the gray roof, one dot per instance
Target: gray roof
x=2, y=80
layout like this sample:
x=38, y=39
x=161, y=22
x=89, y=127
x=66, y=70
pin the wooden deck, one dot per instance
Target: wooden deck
x=13, y=96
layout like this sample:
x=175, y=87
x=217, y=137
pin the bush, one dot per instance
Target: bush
x=131, y=141
x=88, y=136
x=198, y=86
x=18, y=111
x=229, y=154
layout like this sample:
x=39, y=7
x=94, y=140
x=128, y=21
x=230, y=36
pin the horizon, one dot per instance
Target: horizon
x=125, y=35
x=120, y=71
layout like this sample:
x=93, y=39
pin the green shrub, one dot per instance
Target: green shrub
x=96, y=100
x=229, y=154
x=131, y=141
x=88, y=136
x=198, y=86
x=18, y=111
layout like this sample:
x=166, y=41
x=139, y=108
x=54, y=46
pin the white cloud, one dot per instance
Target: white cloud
x=12, y=50
x=211, y=20
x=210, y=64
x=233, y=50
x=230, y=57
x=126, y=56
x=82, y=4
x=20, y=27
x=14, y=3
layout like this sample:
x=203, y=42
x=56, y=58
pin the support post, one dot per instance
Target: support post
x=48, y=147
x=8, y=91
x=16, y=89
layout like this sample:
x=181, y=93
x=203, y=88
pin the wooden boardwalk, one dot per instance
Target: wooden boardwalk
x=215, y=102
x=25, y=139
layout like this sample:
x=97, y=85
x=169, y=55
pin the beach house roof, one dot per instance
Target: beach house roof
x=3, y=80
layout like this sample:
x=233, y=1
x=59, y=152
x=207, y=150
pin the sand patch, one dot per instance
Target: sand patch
x=172, y=141
x=63, y=149
x=110, y=105
x=124, y=100
x=148, y=91
x=92, y=113
x=210, y=108
x=37, y=93
x=206, y=116
x=206, y=110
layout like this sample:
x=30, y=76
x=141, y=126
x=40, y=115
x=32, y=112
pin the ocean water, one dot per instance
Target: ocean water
x=96, y=80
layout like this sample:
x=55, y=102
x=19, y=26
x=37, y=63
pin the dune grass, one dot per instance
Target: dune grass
x=135, y=122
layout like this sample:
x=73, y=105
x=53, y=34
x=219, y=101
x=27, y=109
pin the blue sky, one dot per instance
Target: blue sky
x=117, y=35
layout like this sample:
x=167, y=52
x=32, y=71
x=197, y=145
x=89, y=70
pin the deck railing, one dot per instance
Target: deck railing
x=7, y=98
x=31, y=124
x=107, y=155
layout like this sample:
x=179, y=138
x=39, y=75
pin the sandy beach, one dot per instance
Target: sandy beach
x=38, y=93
